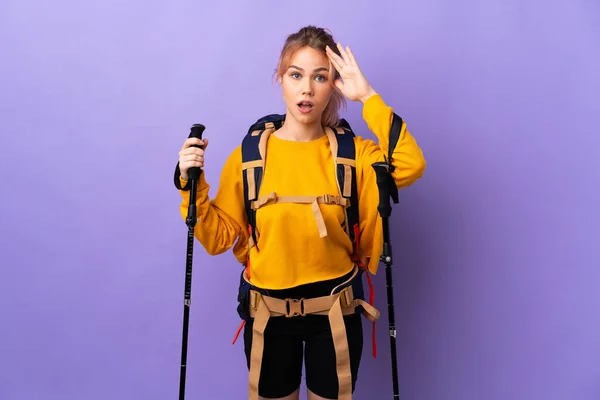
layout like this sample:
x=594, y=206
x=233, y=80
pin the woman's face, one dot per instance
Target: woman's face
x=306, y=85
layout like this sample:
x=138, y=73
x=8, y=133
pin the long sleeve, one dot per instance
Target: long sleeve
x=409, y=166
x=221, y=221
x=407, y=156
x=290, y=249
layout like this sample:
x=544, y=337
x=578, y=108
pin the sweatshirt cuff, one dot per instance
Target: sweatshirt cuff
x=202, y=185
x=182, y=182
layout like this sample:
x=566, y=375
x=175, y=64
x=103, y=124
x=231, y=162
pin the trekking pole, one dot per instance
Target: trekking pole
x=387, y=189
x=194, y=175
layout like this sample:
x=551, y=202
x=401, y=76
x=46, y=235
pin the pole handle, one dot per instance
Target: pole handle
x=196, y=132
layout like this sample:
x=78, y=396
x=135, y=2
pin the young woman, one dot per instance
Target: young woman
x=294, y=257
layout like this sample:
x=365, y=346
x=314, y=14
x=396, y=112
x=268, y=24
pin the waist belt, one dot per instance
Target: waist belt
x=335, y=306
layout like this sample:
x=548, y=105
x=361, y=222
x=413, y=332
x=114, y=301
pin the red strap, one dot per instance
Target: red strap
x=238, y=331
x=373, y=338
x=371, y=289
x=235, y=338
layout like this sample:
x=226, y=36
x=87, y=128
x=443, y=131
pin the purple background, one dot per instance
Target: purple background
x=497, y=254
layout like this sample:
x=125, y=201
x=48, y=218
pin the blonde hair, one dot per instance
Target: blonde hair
x=318, y=39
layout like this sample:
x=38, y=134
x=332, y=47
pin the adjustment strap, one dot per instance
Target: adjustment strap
x=258, y=345
x=342, y=354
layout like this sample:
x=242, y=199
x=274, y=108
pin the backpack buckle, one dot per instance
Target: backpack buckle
x=345, y=299
x=254, y=299
x=294, y=307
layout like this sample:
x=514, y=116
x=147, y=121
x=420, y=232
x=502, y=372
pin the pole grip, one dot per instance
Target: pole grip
x=196, y=132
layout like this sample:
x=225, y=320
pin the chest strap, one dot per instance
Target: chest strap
x=273, y=198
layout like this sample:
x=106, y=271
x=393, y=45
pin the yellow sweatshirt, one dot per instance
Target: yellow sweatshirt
x=290, y=250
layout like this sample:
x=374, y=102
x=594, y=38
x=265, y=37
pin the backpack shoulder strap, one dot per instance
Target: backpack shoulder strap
x=342, y=145
x=254, y=146
x=344, y=155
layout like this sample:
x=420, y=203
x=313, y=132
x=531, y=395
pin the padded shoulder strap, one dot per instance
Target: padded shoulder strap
x=254, y=147
x=345, y=164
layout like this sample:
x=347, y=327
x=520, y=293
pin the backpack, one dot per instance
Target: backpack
x=253, y=155
x=342, y=145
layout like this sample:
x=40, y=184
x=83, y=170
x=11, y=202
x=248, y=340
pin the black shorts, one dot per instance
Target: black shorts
x=289, y=341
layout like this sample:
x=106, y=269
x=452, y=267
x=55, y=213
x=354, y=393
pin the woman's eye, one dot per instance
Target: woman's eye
x=321, y=78
x=295, y=75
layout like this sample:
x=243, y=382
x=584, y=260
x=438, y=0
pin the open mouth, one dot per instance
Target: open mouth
x=305, y=106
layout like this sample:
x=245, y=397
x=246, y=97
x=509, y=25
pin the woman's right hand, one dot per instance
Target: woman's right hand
x=190, y=156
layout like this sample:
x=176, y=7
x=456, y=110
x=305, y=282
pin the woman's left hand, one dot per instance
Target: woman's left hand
x=353, y=84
